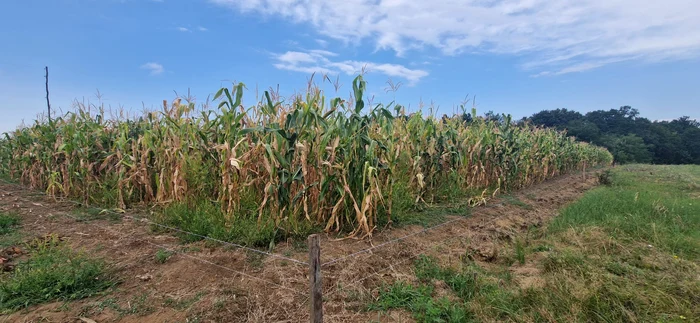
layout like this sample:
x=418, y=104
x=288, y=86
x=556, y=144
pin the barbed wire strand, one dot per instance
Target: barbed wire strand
x=169, y=249
x=343, y=258
x=354, y=254
x=298, y=262
x=392, y=241
x=143, y=219
x=188, y=256
x=398, y=263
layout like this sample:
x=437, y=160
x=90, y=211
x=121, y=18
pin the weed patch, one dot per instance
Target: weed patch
x=420, y=302
x=52, y=272
x=205, y=218
x=8, y=223
x=184, y=303
x=163, y=255
x=8, y=230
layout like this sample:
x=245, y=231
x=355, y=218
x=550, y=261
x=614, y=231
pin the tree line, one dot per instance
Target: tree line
x=629, y=137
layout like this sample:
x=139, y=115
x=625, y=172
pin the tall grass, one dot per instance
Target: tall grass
x=625, y=252
x=334, y=164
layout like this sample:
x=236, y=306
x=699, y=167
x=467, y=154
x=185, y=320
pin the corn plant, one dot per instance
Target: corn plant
x=335, y=164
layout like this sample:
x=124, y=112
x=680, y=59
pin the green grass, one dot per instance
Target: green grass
x=184, y=303
x=428, y=216
x=420, y=302
x=206, y=219
x=93, y=213
x=520, y=251
x=8, y=222
x=626, y=251
x=53, y=272
x=407, y=212
x=656, y=205
x=8, y=230
x=138, y=305
x=469, y=284
x=510, y=199
x=163, y=255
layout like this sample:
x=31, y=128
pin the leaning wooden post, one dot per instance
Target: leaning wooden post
x=48, y=105
x=315, y=278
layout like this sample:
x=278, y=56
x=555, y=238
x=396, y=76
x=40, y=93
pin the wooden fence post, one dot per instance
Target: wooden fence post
x=48, y=105
x=315, y=278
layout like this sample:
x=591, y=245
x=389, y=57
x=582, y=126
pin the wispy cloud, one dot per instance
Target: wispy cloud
x=154, y=68
x=550, y=37
x=321, y=42
x=319, y=61
x=189, y=30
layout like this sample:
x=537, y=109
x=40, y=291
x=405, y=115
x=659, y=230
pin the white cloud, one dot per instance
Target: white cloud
x=154, y=68
x=321, y=42
x=319, y=61
x=189, y=30
x=551, y=37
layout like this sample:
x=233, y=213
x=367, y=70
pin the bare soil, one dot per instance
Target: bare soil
x=210, y=282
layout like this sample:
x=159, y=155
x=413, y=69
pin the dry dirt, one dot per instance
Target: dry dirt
x=208, y=282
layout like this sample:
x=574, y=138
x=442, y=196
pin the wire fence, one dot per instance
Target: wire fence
x=230, y=244
x=182, y=253
x=245, y=248
x=390, y=242
x=414, y=255
x=176, y=251
x=167, y=227
x=323, y=266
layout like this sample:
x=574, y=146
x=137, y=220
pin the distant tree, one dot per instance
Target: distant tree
x=628, y=112
x=628, y=136
x=628, y=148
x=583, y=130
x=466, y=117
x=689, y=131
x=555, y=118
x=620, y=121
x=668, y=145
x=492, y=116
x=691, y=142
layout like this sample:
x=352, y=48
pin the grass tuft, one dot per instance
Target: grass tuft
x=8, y=223
x=163, y=255
x=184, y=303
x=53, y=272
x=420, y=302
x=520, y=251
x=8, y=230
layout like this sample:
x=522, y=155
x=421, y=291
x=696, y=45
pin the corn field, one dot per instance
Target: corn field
x=340, y=165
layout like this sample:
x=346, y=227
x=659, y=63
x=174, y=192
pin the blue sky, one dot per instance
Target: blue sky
x=517, y=57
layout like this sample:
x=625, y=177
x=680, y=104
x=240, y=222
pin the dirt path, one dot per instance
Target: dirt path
x=207, y=282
